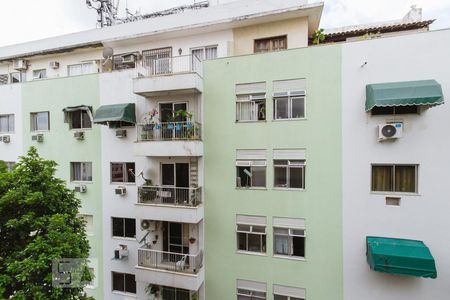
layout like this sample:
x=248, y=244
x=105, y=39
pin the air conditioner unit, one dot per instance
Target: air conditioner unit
x=54, y=64
x=20, y=65
x=121, y=190
x=388, y=131
x=38, y=138
x=121, y=252
x=128, y=58
x=79, y=135
x=6, y=138
x=148, y=225
x=121, y=133
x=80, y=189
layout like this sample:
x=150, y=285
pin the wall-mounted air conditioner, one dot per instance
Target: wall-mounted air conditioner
x=20, y=65
x=121, y=133
x=121, y=190
x=80, y=188
x=54, y=64
x=79, y=135
x=128, y=58
x=389, y=131
x=121, y=252
x=38, y=137
x=6, y=139
x=148, y=225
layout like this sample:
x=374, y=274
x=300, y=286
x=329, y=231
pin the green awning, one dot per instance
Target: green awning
x=70, y=109
x=423, y=92
x=400, y=256
x=116, y=113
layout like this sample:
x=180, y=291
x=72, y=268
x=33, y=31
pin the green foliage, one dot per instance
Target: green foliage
x=318, y=36
x=38, y=223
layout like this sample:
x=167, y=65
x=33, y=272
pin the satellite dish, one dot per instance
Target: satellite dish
x=108, y=53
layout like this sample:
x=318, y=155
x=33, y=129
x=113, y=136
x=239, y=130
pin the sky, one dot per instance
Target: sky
x=26, y=20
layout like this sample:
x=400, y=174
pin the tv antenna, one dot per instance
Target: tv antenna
x=106, y=11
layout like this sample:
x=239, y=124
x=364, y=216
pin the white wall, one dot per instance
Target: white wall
x=425, y=142
x=11, y=103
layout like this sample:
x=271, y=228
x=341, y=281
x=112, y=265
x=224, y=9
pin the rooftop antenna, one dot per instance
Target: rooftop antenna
x=106, y=11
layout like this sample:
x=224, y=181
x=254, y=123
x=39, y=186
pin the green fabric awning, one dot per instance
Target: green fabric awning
x=70, y=109
x=116, y=113
x=423, y=92
x=400, y=256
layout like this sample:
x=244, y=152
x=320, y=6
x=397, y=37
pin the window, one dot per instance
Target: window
x=394, y=178
x=123, y=282
x=251, y=290
x=17, y=77
x=9, y=165
x=6, y=123
x=289, y=99
x=281, y=292
x=82, y=69
x=251, y=168
x=270, y=44
x=79, y=119
x=81, y=171
x=251, y=102
x=289, y=237
x=125, y=61
x=3, y=79
x=201, y=54
x=122, y=172
x=289, y=174
x=40, y=121
x=158, y=61
x=395, y=110
x=171, y=293
x=39, y=74
x=251, y=233
x=89, y=223
x=124, y=227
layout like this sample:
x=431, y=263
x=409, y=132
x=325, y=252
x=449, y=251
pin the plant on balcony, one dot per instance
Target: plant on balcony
x=153, y=291
x=150, y=119
x=184, y=114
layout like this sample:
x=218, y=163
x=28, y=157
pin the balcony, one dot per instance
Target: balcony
x=184, y=138
x=169, y=75
x=184, y=271
x=173, y=204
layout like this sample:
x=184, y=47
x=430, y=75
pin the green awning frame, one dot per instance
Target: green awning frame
x=400, y=256
x=124, y=113
x=423, y=92
x=69, y=109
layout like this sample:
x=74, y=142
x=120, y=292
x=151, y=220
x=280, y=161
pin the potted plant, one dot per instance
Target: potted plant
x=149, y=121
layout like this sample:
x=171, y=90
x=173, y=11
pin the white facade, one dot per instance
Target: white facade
x=422, y=216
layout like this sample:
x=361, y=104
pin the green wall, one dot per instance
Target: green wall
x=59, y=144
x=319, y=204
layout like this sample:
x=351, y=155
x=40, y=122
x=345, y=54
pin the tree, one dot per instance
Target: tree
x=318, y=36
x=38, y=223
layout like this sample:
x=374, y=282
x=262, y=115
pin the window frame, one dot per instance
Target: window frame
x=4, y=79
x=41, y=72
x=253, y=99
x=290, y=236
x=22, y=77
x=34, y=123
x=124, y=173
x=262, y=236
x=124, y=229
x=82, y=71
x=250, y=163
x=73, y=164
x=393, y=165
x=291, y=95
x=250, y=294
x=124, y=66
x=288, y=167
x=9, y=130
x=271, y=41
x=124, y=283
x=71, y=118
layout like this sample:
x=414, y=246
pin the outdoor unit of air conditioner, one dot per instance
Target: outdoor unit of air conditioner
x=128, y=58
x=79, y=135
x=148, y=225
x=388, y=131
x=20, y=65
x=121, y=133
x=38, y=138
x=121, y=252
x=81, y=188
x=54, y=64
x=6, y=138
x=121, y=190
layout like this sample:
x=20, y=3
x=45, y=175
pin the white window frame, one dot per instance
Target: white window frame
x=290, y=234
x=291, y=163
x=204, y=50
x=125, y=172
x=22, y=76
x=89, y=226
x=34, y=123
x=84, y=168
x=251, y=164
x=416, y=183
x=262, y=236
x=253, y=289
x=10, y=123
x=71, y=118
x=251, y=294
x=290, y=96
x=253, y=100
x=39, y=74
x=85, y=68
x=291, y=293
x=125, y=292
x=124, y=228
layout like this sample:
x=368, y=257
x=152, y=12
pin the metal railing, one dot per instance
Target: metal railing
x=170, y=261
x=179, y=196
x=171, y=65
x=169, y=131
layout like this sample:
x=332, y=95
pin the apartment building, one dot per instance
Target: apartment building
x=120, y=109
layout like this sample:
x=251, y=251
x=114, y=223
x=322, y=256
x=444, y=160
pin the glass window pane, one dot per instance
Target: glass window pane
x=3, y=123
x=254, y=243
x=130, y=228
x=75, y=70
x=296, y=178
x=42, y=121
x=130, y=172
x=382, y=178
x=243, y=178
x=168, y=293
x=259, y=176
x=281, y=244
x=242, y=241
x=130, y=283
x=298, y=246
x=75, y=119
x=182, y=294
x=259, y=229
x=280, y=297
x=298, y=107
x=118, y=282
x=283, y=231
x=211, y=52
x=117, y=226
x=11, y=123
x=405, y=179
x=243, y=227
x=86, y=119
x=281, y=108
x=117, y=172
x=280, y=177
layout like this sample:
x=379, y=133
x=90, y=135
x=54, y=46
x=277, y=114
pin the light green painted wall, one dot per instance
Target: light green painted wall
x=59, y=144
x=320, y=204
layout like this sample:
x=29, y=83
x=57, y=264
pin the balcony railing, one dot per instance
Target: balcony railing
x=178, y=196
x=169, y=131
x=170, y=261
x=171, y=65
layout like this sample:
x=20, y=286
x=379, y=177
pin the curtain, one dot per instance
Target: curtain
x=405, y=179
x=382, y=178
x=75, y=70
x=4, y=124
x=282, y=244
x=245, y=111
x=211, y=53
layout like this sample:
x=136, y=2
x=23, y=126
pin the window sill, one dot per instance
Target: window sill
x=122, y=183
x=39, y=131
x=289, y=257
x=251, y=188
x=394, y=194
x=123, y=238
x=124, y=294
x=251, y=253
x=79, y=129
x=291, y=119
x=81, y=182
x=288, y=189
x=250, y=121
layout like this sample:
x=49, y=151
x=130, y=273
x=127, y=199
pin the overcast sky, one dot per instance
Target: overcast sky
x=25, y=20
